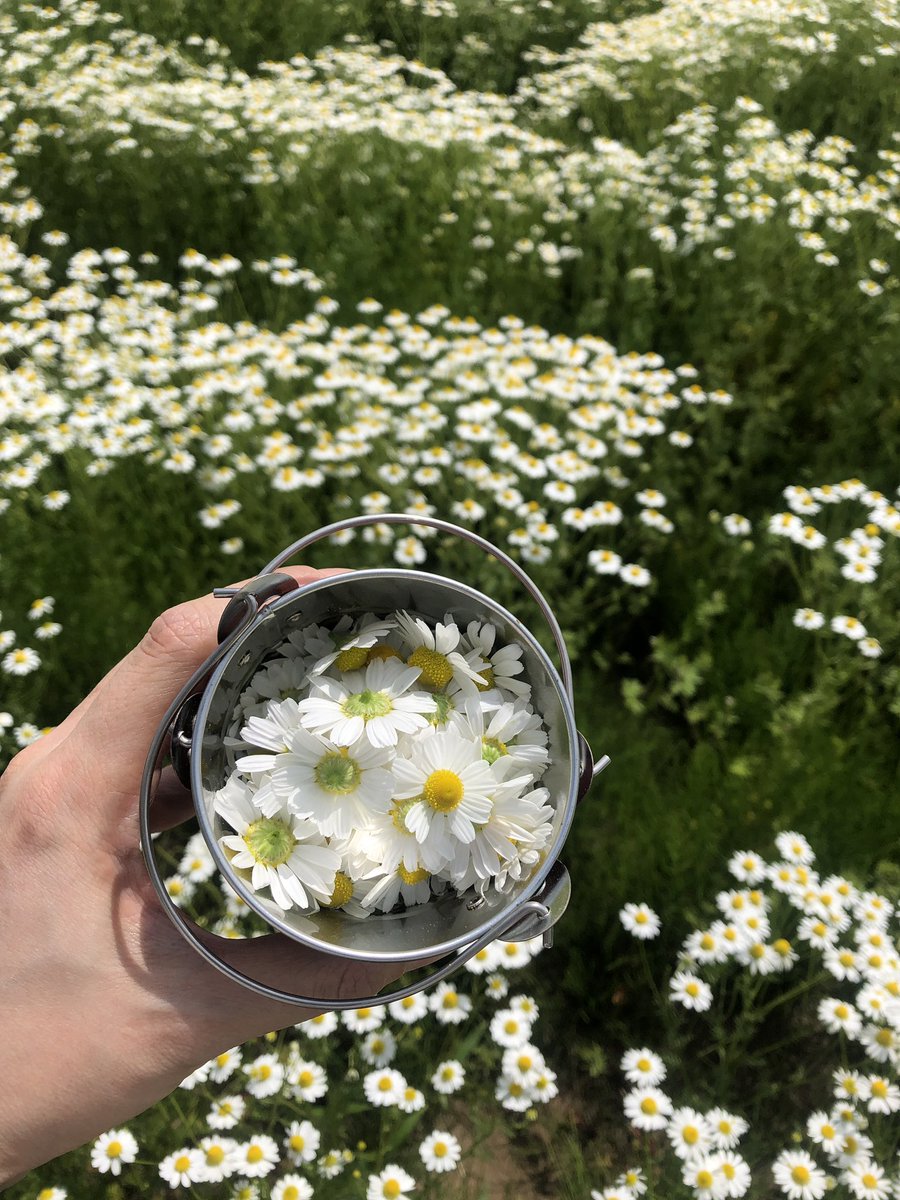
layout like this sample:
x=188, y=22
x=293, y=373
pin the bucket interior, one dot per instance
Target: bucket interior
x=445, y=922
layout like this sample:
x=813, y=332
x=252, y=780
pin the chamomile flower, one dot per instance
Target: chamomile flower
x=113, y=1149
x=307, y=1080
x=335, y=786
x=451, y=787
x=393, y=1183
x=278, y=852
x=690, y=991
x=182, y=1168
x=292, y=1187
x=640, y=921
x=648, y=1108
x=301, y=1142
x=257, y=1157
x=377, y=703
x=440, y=1152
x=226, y=1112
x=799, y=1176
x=643, y=1067
x=449, y=1077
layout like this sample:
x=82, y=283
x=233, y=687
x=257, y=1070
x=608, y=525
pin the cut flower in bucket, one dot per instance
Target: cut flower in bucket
x=381, y=762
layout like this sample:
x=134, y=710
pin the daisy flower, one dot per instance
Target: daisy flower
x=351, y=650
x=798, y=1175
x=183, y=1167
x=257, y=1157
x=511, y=733
x=21, y=662
x=688, y=1132
x=276, y=852
x=376, y=703
x=393, y=1183
x=384, y=1088
x=336, y=787
x=112, y=1149
x=226, y=1112
x=410, y=1009
x=292, y=1187
x=440, y=1151
x=448, y=1078
x=640, y=921
x=219, y=1158
x=451, y=786
x=648, y=1108
x=643, y=1067
x=307, y=1080
x=301, y=1142
x=867, y=1181
x=690, y=991
x=504, y=662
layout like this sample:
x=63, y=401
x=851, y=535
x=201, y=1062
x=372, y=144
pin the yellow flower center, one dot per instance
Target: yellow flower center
x=728, y=1170
x=343, y=891
x=391, y=1189
x=801, y=1175
x=222, y=1059
x=254, y=1154
x=692, y=989
x=649, y=1107
x=384, y=1084
x=782, y=946
x=440, y=1149
x=443, y=790
x=214, y=1156
x=271, y=842
x=182, y=1162
x=337, y=773
x=879, y=1088
x=382, y=652
x=869, y=1180
x=291, y=1193
x=707, y=942
x=411, y=877
x=511, y=1027
x=435, y=669
x=492, y=749
x=306, y=1079
x=353, y=659
x=298, y=1141
x=524, y=1062
x=884, y=1037
x=690, y=1134
x=114, y=1149
x=487, y=674
x=704, y=1179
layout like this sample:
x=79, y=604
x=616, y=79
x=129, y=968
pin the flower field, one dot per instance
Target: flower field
x=613, y=283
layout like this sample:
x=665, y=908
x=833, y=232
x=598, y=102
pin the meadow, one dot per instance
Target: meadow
x=613, y=284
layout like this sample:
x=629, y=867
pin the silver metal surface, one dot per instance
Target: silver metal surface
x=446, y=926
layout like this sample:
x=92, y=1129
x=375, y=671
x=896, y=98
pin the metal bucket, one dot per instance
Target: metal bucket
x=197, y=726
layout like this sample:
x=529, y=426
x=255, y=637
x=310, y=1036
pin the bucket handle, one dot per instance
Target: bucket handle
x=459, y=531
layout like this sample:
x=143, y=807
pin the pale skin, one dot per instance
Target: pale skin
x=104, y=1007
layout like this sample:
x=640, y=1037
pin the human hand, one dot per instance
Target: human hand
x=105, y=1007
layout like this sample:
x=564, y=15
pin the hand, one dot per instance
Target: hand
x=105, y=1007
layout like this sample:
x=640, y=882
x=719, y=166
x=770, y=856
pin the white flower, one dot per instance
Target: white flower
x=21, y=662
x=726, y=1129
x=265, y=1076
x=183, y=1167
x=219, y=1158
x=435, y=654
x=850, y=627
x=642, y=1066
x=410, y=1009
x=690, y=991
x=112, y=1149
x=799, y=1176
x=440, y=1152
x=867, y=1181
x=393, y=1183
x=226, y=1112
x=688, y=1132
x=257, y=1157
x=448, y=1005
x=448, y=1077
x=509, y=1028
x=635, y=575
x=808, y=618
x=337, y=787
x=301, y=1142
x=292, y=1187
x=604, y=562
x=648, y=1108
x=640, y=921
x=307, y=1079
x=451, y=787
x=384, y=1088
x=377, y=703
x=504, y=661
x=278, y=852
